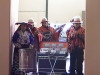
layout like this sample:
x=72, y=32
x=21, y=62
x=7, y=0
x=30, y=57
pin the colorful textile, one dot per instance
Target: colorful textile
x=76, y=38
x=46, y=32
x=36, y=38
x=22, y=38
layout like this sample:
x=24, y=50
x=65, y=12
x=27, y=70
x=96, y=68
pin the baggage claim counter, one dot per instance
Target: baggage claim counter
x=52, y=57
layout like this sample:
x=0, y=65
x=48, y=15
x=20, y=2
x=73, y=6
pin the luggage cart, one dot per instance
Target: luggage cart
x=27, y=60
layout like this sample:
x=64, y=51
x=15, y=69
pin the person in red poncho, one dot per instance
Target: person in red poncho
x=45, y=31
x=34, y=32
x=76, y=41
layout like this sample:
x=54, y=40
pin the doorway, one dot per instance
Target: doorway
x=58, y=12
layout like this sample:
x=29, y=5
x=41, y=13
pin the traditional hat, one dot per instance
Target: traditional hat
x=77, y=20
x=31, y=21
x=20, y=23
x=44, y=20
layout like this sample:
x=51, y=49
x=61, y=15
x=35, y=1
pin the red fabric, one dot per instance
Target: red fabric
x=34, y=30
x=36, y=40
x=55, y=36
x=75, y=41
x=40, y=37
x=43, y=30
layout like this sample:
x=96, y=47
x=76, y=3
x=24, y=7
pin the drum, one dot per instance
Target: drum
x=27, y=60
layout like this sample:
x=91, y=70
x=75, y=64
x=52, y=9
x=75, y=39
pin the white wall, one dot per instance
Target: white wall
x=59, y=11
x=32, y=9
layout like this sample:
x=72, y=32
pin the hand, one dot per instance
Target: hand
x=40, y=36
x=31, y=46
x=17, y=45
x=66, y=54
x=80, y=36
x=73, y=34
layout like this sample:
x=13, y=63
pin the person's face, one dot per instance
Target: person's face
x=76, y=25
x=31, y=24
x=23, y=27
x=45, y=23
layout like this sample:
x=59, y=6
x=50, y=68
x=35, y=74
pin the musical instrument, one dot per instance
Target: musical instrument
x=48, y=34
x=60, y=27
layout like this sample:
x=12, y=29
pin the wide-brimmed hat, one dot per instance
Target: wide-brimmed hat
x=44, y=20
x=31, y=21
x=21, y=23
x=77, y=20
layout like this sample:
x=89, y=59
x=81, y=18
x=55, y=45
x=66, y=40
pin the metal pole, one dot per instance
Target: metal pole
x=47, y=9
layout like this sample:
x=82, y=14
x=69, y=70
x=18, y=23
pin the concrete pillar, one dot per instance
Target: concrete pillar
x=8, y=16
x=92, y=53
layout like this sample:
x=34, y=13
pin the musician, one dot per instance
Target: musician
x=31, y=26
x=22, y=38
x=45, y=31
x=76, y=41
x=71, y=25
x=34, y=32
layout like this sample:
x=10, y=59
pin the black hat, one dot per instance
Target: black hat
x=19, y=23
